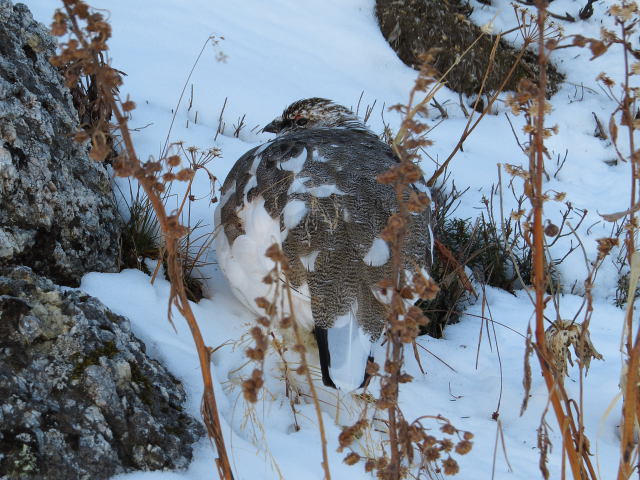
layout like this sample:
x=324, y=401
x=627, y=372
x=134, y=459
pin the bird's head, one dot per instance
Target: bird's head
x=312, y=113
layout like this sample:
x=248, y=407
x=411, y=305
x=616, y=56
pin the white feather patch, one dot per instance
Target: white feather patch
x=295, y=164
x=244, y=261
x=293, y=213
x=254, y=164
x=349, y=346
x=298, y=186
x=432, y=239
x=253, y=182
x=323, y=191
x=378, y=254
x=309, y=261
x=316, y=157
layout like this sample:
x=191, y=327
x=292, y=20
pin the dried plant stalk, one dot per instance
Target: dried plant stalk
x=82, y=56
x=580, y=464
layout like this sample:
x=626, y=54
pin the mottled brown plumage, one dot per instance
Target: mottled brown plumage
x=317, y=183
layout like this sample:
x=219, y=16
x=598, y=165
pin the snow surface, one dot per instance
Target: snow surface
x=283, y=50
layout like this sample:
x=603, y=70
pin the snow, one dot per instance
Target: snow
x=283, y=50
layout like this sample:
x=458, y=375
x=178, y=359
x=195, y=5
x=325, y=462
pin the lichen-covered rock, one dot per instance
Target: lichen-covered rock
x=79, y=398
x=412, y=27
x=56, y=209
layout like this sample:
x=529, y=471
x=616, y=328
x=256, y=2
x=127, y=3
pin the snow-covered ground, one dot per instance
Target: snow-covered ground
x=283, y=50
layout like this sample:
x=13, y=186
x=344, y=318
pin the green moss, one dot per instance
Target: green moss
x=174, y=431
x=146, y=387
x=113, y=317
x=108, y=350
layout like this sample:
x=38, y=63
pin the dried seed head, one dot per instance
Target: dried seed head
x=252, y=386
x=388, y=177
x=410, y=172
x=381, y=463
x=463, y=447
x=59, y=25
x=128, y=105
x=369, y=465
x=173, y=161
x=429, y=441
x=432, y=454
x=605, y=245
x=266, y=305
x=286, y=322
x=391, y=367
x=346, y=437
x=352, y=458
x=426, y=288
x=185, y=175
x=446, y=444
x=372, y=368
x=551, y=230
x=394, y=226
x=450, y=466
x=255, y=354
x=448, y=429
x=418, y=202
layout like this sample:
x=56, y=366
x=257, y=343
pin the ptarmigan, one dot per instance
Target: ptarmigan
x=313, y=190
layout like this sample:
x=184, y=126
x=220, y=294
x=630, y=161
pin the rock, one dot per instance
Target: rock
x=79, y=398
x=412, y=27
x=57, y=213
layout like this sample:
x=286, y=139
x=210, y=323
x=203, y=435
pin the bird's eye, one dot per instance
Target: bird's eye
x=301, y=122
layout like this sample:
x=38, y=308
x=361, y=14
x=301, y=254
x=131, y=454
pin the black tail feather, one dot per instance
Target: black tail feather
x=325, y=356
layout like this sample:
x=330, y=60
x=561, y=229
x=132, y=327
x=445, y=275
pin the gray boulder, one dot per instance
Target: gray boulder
x=57, y=214
x=79, y=398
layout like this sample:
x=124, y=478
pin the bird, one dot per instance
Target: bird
x=313, y=191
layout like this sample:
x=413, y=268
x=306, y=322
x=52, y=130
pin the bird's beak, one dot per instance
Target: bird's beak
x=274, y=127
